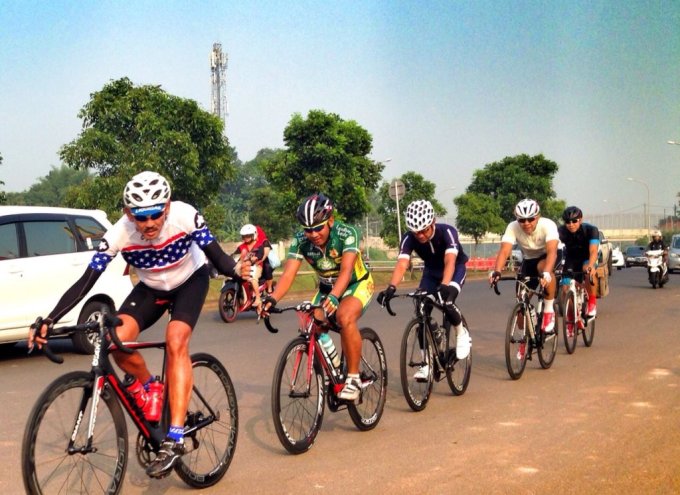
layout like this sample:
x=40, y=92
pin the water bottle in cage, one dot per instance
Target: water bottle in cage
x=327, y=343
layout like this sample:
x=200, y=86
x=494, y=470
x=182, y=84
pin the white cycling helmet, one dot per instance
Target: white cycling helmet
x=527, y=208
x=145, y=190
x=419, y=215
x=249, y=229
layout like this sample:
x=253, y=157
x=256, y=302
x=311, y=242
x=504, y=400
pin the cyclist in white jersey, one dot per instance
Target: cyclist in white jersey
x=167, y=243
x=537, y=238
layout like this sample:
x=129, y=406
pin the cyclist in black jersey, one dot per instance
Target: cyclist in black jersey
x=167, y=243
x=438, y=246
x=331, y=248
x=581, y=241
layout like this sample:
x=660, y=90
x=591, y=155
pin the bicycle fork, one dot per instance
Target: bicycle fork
x=93, y=396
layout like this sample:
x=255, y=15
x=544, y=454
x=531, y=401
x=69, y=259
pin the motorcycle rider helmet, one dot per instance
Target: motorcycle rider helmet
x=419, y=215
x=656, y=233
x=147, y=192
x=249, y=229
x=314, y=210
x=572, y=213
x=527, y=208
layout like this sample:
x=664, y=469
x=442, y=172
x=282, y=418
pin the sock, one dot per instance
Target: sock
x=591, y=298
x=548, y=306
x=458, y=328
x=353, y=376
x=176, y=433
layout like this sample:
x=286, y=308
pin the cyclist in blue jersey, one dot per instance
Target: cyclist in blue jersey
x=167, y=243
x=581, y=242
x=444, y=273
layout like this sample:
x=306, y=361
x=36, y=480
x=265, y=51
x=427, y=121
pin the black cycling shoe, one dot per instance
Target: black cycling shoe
x=168, y=455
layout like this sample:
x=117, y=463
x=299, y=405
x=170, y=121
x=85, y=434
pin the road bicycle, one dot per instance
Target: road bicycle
x=426, y=343
x=76, y=438
x=575, y=317
x=237, y=297
x=523, y=333
x=305, y=379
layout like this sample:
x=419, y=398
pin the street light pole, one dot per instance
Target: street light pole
x=632, y=179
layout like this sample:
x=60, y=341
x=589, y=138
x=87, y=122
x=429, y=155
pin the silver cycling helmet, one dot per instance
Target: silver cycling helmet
x=146, y=189
x=419, y=215
x=249, y=229
x=527, y=208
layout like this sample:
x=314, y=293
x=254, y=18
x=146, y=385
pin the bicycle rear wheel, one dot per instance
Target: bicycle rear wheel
x=373, y=371
x=47, y=466
x=547, y=350
x=458, y=372
x=516, y=342
x=417, y=351
x=297, y=399
x=570, y=322
x=211, y=427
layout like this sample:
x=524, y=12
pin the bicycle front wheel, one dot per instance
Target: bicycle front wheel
x=373, y=372
x=50, y=463
x=417, y=365
x=297, y=398
x=547, y=350
x=517, y=342
x=589, y=330
x=570, y=322
x=211, y=426
x=458, y=371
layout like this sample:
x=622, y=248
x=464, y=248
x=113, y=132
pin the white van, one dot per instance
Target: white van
x=43, y=251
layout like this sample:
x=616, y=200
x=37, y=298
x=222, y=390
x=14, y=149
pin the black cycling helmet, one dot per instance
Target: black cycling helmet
x=572, y=213
x=314, y=210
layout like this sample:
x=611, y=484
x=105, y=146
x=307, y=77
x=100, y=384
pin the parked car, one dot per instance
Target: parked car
x=635, y=256
x=617, y=258
x=43, y=251
x=674, y=254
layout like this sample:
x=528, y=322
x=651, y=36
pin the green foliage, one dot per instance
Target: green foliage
x=324, y=153
x=416, y=187
x=552, y=209
x=477, y=215
x=127, y=129
x=515, y=178
x=52, y=189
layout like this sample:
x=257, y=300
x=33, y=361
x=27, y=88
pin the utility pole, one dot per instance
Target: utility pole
x=218, y=69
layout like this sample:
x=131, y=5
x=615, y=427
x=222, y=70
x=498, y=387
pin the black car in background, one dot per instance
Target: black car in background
x=635, y=256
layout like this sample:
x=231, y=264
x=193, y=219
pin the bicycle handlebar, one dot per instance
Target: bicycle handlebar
x=417, y=294
x=514, y=279
x=305, y=307
x=105, y=321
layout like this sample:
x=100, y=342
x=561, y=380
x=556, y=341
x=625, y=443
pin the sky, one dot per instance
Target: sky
x=444, y=87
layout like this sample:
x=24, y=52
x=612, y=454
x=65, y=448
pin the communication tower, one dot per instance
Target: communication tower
x=218, y=69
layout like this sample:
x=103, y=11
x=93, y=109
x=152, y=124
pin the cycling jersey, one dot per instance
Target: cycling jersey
x=166, y=261
x=577, y=245
x=444, y=240
x=326, y=261
x=532, y=245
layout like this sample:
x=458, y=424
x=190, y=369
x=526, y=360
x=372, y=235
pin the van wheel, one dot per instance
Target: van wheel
x=83, y=342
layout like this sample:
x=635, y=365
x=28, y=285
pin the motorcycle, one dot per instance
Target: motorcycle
x=656, y=268
x=237, y=297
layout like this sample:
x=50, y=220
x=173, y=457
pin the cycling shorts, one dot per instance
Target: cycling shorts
x=362, y=290
x=184, y=303
x=578, y=266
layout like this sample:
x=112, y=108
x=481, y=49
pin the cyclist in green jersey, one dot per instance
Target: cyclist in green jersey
x=332, y=249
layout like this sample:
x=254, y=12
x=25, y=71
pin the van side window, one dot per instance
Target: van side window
x=49, y=237
x=676, y=242
x=9, y=242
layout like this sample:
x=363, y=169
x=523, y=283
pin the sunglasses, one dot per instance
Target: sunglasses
x=316, y=228
x=573, y=220
x=525, y=220
x=153, y=216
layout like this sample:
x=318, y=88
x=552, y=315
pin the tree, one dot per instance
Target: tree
x=515, y=178
x=52, y=189
x=416, y=187
x=477, y=215
x=127, y=129
x=324, y=153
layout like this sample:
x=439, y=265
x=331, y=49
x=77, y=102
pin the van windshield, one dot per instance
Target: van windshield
x=676, y=242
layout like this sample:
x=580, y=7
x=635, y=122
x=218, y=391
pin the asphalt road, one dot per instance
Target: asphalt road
x=604, y=420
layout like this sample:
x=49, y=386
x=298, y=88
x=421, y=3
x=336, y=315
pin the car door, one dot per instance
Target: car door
x=49, y=263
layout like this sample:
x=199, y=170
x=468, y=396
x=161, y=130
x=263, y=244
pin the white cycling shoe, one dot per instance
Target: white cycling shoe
x=463, y=343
